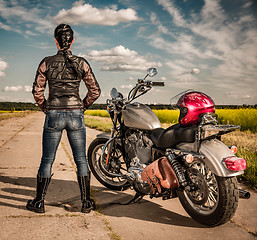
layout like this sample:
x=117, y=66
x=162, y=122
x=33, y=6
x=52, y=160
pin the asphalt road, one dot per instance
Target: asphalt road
x=20, y=153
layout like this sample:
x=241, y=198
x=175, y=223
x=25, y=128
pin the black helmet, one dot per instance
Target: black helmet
x=64, y=35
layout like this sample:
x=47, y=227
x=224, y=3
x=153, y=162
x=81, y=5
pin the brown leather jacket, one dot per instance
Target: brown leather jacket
x=63, y=78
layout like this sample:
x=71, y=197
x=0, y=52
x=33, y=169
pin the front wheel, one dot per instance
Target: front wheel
x=213, y=200
x=109, y=175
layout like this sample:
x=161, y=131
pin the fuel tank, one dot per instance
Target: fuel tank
x=140, y=116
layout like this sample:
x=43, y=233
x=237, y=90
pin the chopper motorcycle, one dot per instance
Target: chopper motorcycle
x=187, y=160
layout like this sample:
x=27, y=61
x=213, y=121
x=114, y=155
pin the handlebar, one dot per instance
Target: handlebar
x=161, y=84
x=143, y=87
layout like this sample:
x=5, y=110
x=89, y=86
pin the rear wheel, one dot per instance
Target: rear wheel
x=107, y=174
x=212, y=200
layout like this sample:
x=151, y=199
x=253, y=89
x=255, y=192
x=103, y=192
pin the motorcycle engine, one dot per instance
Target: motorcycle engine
x=138, y=145
x=138, y=148
x=134, y=176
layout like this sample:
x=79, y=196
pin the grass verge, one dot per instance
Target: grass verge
x=7, y=114
x=246, y=143
x=100, y=123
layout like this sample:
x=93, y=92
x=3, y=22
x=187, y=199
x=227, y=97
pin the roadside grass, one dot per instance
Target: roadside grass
x=246, y=143
x=113, y=235
x=9, y=114
x=4, y=111
x=100, y=123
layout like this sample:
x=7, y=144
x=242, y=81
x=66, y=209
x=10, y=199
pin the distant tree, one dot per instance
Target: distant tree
x=18, y=106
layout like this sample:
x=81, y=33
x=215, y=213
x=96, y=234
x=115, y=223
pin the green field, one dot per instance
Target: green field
x=246, y=118
x=99, y=113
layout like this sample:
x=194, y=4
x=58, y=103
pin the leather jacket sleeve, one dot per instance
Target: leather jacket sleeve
x=39, y=85
x=92, y=85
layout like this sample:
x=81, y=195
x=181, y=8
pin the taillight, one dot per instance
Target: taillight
x=235, y=163
x=233, y=149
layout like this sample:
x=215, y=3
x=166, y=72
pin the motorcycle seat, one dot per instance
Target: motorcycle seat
x=173, y=135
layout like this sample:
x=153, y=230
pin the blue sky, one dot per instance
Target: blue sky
x=122, y=38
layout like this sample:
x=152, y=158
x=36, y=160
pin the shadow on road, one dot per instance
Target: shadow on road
x=63, y=190
x=58, y=189
x=144, y=210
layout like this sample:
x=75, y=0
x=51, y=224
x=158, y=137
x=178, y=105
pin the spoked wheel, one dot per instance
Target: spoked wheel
x=212, y=200
x=108, y=172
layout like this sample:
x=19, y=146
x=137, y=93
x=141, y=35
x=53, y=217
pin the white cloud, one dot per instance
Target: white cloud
x=225, y=45
x=246, y=97
x=130, y=79
x=15, y=15
x=12, y=99
x=232, y=94
x=17, y=88
x=29, y=33
x=184, y=46
x=130, y=86
x=27, y=88
x=120, y=58
x=212, y=11
x=188, y=78
x=82, y=42
x=173, y=11
x=157, y=91
x=84, y=13
x=105, y=94
x=6, y=27
x=13, y=88
x=161, y=27
x=3, y=66
x=238, y=95
x=248, y=4
x=180, y=67
x=162, y=79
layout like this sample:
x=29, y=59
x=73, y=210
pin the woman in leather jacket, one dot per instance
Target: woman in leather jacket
x=64, y=109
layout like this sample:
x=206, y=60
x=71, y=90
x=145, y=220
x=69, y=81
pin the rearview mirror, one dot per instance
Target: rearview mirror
x=152, y=72
x=114, y=93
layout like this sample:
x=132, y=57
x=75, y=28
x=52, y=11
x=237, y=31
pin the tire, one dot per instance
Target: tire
x=106, y=177
x=217, y=203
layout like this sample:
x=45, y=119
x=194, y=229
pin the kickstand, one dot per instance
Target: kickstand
x=136, y=199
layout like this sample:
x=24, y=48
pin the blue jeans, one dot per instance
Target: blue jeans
x=55, y=122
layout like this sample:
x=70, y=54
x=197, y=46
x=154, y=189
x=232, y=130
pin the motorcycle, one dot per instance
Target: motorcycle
x=187, y=160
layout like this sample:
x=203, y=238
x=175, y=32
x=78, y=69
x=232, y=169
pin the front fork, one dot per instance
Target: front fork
x=110, y=142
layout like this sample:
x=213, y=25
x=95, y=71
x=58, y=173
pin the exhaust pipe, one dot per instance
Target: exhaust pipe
x=244, y=194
